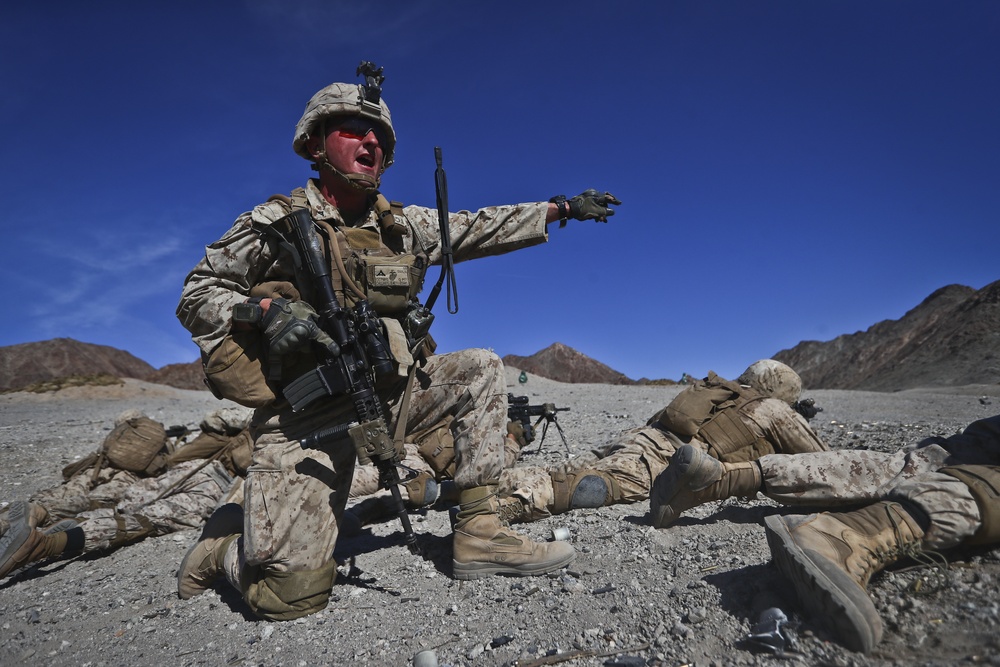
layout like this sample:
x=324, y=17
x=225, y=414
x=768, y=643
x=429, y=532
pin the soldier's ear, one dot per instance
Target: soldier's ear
x=314, y=147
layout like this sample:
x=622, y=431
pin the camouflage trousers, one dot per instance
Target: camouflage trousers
x=76, y=494
x=295, y=496
x=366, y=482
x=852, y=477
x=126, y=507
x=638, y=455
x=141, y=512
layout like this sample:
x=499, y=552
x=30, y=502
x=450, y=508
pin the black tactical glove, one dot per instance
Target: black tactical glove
x=588, y=205
x=288, y=325
x=807, y=408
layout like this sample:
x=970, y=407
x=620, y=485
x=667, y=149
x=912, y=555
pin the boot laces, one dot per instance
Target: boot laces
x=940, y=576
x=510, y=509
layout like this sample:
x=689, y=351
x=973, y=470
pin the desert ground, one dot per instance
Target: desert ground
x=687, y=595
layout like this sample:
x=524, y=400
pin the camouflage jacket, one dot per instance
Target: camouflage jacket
x=244, y=257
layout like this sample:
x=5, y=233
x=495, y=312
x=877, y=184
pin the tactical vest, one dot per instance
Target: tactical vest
x=376, y=263
x=364, y=262
x=711, y=412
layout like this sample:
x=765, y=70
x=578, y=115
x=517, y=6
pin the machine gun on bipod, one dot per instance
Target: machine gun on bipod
x=518, y=410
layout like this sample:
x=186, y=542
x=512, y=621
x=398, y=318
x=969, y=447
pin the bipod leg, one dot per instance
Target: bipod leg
x=389, y=479
x=563, y=436
x=409, y=537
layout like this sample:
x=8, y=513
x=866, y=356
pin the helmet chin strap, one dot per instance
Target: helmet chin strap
x=361, y=182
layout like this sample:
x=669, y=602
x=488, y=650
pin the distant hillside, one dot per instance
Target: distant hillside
x=952, y=338
x=182, y=376
x=29, y=363
x=563, y=363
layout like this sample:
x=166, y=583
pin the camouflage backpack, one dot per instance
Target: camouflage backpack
x=137, y=445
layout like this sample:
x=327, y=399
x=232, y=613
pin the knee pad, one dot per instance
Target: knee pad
x=590, y=491
x=283, y=596
x=583, y=489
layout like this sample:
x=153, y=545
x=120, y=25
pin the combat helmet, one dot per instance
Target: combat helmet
x=774, y=379
x=226, y=421
x=347, y=99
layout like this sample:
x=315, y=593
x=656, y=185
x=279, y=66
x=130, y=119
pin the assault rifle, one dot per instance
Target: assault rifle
x=807, y=408
x=359, y=351
x=518, y=410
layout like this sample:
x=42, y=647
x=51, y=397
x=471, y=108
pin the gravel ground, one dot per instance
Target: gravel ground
x=688, y=595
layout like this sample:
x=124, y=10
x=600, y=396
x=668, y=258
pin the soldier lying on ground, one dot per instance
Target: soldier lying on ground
x=937, y=494
x=136, y=485
x=729, y=421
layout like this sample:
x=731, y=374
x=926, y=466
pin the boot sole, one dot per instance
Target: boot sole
x=476, y=570
x=824, y=590
x=16, y=535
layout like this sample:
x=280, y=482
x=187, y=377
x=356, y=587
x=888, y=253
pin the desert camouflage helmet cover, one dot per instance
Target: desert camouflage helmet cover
x=342, y=99
x=774, y=379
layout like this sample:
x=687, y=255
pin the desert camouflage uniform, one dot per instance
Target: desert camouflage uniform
x=912, y=474
x=366, y=482
x=118, y=506
x=138, y=512
x=640, y=454
x=295, y=496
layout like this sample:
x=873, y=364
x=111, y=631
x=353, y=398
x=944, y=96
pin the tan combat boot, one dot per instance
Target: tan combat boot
x=483, y=546
x=695, y=477
x=23, y=543
x=830, y=558
x=204, y=560
x=37, y=514
x=581, y=489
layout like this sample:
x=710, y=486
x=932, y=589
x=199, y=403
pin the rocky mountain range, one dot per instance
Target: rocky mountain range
x=30, y=363
x=952, y=338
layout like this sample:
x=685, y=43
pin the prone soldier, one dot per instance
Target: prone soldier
x=138, y=484
x=727, y=421
x=934, y=495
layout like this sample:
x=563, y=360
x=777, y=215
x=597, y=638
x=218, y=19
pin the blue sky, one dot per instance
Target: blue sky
x=790, y=170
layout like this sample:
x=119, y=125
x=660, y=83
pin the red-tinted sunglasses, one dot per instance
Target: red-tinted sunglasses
x=358, y=128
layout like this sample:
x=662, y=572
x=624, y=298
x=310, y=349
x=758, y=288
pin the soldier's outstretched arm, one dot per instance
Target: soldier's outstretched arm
x=588, y=205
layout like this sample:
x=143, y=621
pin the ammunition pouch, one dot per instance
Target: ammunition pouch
x=437, y=446
x=984, y=484
x=237, y=369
